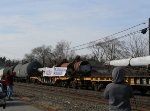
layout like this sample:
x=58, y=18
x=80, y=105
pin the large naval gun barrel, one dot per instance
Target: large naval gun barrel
x=138, y=61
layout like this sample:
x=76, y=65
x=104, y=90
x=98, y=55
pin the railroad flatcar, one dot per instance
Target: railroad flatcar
x=78, y=69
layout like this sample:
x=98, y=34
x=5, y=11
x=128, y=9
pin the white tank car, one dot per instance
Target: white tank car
x=1, y=73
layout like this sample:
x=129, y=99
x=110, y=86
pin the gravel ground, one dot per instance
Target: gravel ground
x=66, y=99
x=57, y=102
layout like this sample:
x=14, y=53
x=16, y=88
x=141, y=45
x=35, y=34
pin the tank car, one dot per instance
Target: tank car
x=25, y=71
x=8, y=69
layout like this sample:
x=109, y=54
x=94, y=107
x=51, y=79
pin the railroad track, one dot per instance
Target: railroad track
x=68, y=92
x=139, y=103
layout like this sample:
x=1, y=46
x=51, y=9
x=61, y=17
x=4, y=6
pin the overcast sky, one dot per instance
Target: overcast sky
x=26, y=24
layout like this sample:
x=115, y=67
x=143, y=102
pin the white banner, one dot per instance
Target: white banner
x=55, y=71
x=48, y=72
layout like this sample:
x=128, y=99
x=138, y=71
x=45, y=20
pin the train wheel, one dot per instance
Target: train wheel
x=143, y=92
x=58, y=83
x=64, y=84
x=74, y=84
x=96, y=87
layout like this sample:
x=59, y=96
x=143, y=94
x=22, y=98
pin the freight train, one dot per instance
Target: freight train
x=83, y=74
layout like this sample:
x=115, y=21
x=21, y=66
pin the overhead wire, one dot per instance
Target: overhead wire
x=73, y=48
x=126, y=35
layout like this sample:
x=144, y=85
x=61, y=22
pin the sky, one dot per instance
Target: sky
x=27, y=24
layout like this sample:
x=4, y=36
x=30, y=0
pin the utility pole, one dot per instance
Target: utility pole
x=149, y=34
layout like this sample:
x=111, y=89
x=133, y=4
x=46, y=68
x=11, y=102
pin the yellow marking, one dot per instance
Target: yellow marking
x=36, y=78
x=132, y=81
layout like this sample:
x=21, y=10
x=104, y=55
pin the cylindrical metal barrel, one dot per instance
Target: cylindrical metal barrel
x=121, y=62
x=28, y=69
x=140, y=61
x=17, y=70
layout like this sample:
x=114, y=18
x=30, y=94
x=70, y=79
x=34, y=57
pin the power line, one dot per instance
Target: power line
x=107, y=36
x=132, y=33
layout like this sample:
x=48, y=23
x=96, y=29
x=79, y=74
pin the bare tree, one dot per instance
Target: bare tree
x=29, y=57
x=43, y=54
x=97, y=51
x=138, y=45
x=62, y=51
x=48, y=57
x=109, y=49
